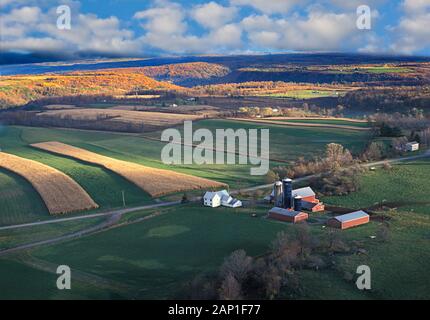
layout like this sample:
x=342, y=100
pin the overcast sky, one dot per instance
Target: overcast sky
x=152, y=27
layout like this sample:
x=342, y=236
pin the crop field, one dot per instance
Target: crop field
x=289, y=143
x=156, y=182
x=60, y=193
x=313, y=124
x=305, y=94
x=19, y=201
x=345, y=122
x=110, y=117
x=106, y=187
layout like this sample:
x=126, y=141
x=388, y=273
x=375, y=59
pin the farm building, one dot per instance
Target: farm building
x=309, y=199
x=288, y=207
x=313, y=206
x=349, y=220
x=287, y=215
x=220, y=198
x=412, y=146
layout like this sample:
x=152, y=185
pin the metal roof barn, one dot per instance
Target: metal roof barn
x=286, y=215
x=349, y=220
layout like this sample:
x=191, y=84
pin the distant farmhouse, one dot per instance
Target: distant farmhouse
x=412, y=146
x=220, y=198
x=349, y=220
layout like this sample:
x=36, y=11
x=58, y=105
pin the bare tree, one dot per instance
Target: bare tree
x=238, y=264
x=230, y=289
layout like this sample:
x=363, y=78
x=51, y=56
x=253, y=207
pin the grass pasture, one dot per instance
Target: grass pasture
x=406, y=188
x=325, y=121
x=165, y=252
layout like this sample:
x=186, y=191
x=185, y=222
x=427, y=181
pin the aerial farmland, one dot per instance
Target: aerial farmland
x=140, y=167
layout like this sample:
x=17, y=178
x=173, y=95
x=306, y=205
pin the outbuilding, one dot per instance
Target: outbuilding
x=349, y=220
x=313, y=206
x=306, y=193
x=412, y=146
x=287, y=215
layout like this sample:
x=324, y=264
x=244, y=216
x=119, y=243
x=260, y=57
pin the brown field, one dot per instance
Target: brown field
x=156, y=182
x=198, y=110
x=149, y=120
x=60, y=193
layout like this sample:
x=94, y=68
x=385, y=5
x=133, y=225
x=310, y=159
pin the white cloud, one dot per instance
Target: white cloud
x=212, y=15
x=166, y=29
x=269, y=6
x=168, y=19
x=319, y=30
x=412, y=33
x=415, y=6
x=88, y=33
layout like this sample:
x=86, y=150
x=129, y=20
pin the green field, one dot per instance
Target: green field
x=288, y=143
x=156, y=258
x=305, y=94
x=406, y=187
x=14, y=237
x=105, y=187
x=327, y=121
x=19, y=202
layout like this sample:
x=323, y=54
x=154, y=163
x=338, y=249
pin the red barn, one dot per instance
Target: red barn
x=313, y=206
x=349, y=220
x=287, y=215
x=307, y=194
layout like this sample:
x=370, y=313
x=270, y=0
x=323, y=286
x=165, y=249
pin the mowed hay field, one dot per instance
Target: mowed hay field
x=60, y=193
x=163, y=253
x=149, y=120
x=157, y=182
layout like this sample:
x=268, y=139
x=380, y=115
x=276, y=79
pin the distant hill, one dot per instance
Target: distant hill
x=20, y=90
x=187, y=74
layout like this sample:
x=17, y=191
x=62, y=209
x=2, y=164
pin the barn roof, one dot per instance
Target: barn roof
x=211, y=195
x=309, y=205
x=352, y=216
x=285, y=212
x=304, y=192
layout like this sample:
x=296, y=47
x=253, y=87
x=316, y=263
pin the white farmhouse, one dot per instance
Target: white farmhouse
x=220, y=198
x=212, y=199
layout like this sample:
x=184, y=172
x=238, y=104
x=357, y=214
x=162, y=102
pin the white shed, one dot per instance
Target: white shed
x=412, y=146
